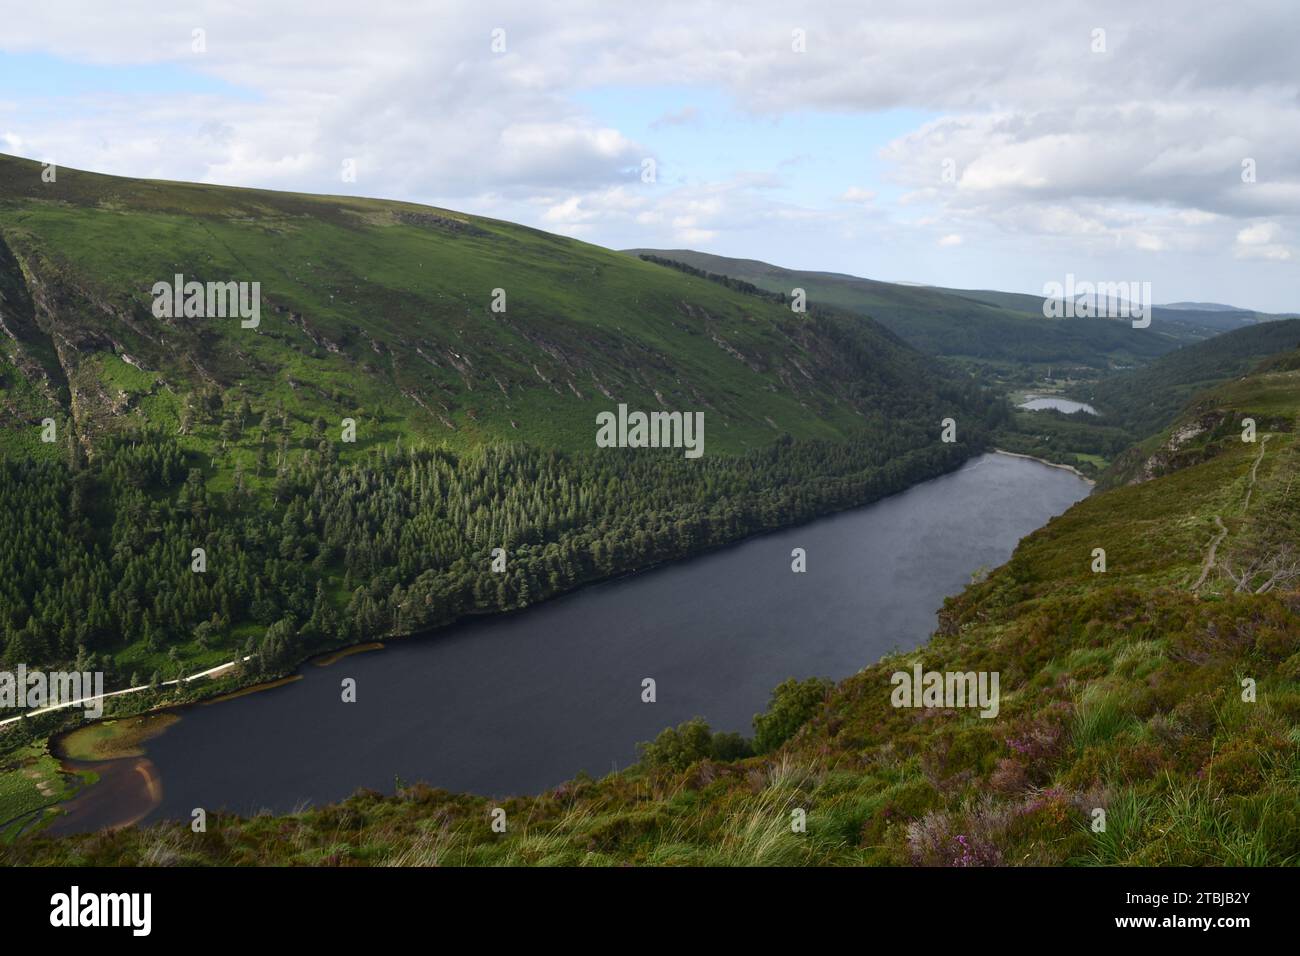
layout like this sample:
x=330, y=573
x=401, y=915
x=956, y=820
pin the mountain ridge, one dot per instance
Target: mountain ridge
x=985, y=325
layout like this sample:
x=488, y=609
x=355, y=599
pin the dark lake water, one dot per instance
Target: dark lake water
x=520, y=703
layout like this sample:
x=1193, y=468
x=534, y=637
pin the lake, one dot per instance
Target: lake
x=519, y=703
x=1036, y=403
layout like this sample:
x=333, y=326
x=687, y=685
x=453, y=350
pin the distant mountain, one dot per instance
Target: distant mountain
x=971, y=324
x=1209, y=318
x=1203, y=307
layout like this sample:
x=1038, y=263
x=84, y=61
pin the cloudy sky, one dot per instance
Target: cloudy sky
x=977, y=145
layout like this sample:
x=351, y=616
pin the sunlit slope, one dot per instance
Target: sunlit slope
x=382, y=311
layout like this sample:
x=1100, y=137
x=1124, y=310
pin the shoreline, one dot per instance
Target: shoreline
x=1049, y=464
x=327, y=658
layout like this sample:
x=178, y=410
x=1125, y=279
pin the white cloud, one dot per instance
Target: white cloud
x=1058, y=153
x=1259, y=241
x=1261, y=233
x=857, y=194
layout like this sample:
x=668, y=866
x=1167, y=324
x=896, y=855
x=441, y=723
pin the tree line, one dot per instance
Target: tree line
x=97, y=555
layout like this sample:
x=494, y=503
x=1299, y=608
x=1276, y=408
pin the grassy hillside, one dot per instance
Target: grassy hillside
x=382, y=312
x=1164, y=691
x=997, y=327
x=1146, y=400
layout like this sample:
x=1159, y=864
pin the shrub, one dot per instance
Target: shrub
x=676, y=748
x=731, y=746
x=793, y=702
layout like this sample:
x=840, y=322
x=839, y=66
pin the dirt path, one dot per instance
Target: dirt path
x=1209, y=555
x=1250, y=489
x=1223, y=531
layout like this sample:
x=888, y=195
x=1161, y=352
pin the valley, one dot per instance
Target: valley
x=1120, y=690
x=413, y=423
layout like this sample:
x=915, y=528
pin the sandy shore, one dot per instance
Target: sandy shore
x=1043, y=461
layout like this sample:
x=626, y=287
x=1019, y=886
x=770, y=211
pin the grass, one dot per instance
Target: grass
x=1099, y=715
x=31, y=780
x=114, y=739
x=375, y=310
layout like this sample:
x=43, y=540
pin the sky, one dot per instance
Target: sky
x=958, y=143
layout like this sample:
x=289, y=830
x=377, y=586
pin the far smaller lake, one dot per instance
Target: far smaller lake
x=1036, y=403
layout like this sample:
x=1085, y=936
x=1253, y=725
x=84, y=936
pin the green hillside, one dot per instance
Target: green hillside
x=997, y=327
x=1146, y=400
x=1163, y=691
x=383, y=312
x=1135, y=405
